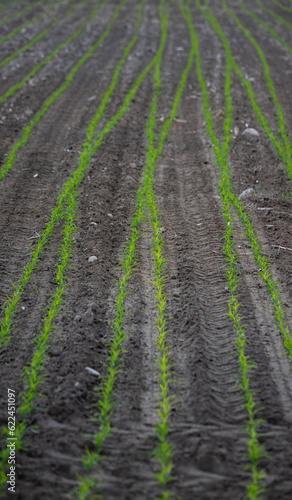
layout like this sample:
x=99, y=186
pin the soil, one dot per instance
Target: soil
x=208, y=419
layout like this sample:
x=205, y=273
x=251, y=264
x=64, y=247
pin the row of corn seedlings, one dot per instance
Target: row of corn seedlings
x=27, y=8
x=35, y=19
x=272, y=13
x=283, y=129
x=26, y=132
x=39, y=37
x=105, y=404
x=256, y=450
x=9, y=309
x=265, y=25
x=66, y=208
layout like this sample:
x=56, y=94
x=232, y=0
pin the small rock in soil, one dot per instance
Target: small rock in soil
x=246, y=194
x=251, y=131
x=93, y=258
x=92, y=371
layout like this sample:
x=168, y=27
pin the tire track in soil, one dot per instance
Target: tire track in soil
x=202, y=337
x=128, y=469
x=206, y=362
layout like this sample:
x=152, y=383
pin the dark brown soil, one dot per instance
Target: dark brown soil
x=208, y=420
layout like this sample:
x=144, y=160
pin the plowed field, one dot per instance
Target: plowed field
x=146, y=249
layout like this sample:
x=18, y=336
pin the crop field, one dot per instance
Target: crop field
x=146, y=249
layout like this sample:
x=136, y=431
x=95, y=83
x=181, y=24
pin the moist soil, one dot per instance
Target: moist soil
x=208, y=418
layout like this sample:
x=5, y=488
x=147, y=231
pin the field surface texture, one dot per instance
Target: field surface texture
x=146, y=249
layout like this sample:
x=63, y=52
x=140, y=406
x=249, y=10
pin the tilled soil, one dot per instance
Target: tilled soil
x=208, y=420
